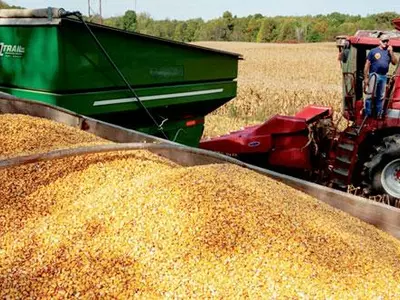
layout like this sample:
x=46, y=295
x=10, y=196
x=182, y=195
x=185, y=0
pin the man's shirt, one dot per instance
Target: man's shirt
x=380, y=61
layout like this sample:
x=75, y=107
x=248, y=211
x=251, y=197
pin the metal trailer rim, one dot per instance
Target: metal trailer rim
x=390, y=178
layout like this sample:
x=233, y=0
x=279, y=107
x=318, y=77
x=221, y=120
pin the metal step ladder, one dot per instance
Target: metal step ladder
x=346, y=158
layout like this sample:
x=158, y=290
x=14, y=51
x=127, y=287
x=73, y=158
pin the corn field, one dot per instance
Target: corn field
x=277, y=79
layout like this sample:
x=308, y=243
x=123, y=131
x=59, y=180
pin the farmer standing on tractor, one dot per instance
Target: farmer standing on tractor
x=375, y=70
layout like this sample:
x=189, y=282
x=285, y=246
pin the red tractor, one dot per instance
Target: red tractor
x=365, y=154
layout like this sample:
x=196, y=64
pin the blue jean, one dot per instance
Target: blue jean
x=379, y=93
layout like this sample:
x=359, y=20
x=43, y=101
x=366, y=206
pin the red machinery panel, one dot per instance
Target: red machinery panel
x=313, y=112
x=396, y=23
x=291, y=152
x=255, y=139
x=277, y=133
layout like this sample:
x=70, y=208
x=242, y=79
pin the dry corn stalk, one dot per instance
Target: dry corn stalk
x=278, y=79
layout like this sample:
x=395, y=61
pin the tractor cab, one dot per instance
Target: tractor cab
x=353, y=52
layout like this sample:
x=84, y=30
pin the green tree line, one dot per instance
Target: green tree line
x=255, y=28
x=5, y=5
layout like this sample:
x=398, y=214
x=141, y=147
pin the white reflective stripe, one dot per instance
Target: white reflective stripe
x=157, y=97
x=116, y=101
x=393, y=113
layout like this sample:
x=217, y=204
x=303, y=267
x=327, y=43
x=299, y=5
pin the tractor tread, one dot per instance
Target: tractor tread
x=342, y=172
x=339, y=183
x=352, y=132
x=347, y=147
x=344, y=159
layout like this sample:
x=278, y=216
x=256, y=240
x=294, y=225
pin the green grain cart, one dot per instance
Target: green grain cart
x=55, y=57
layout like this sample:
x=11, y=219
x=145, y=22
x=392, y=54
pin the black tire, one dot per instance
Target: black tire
x=382, y=171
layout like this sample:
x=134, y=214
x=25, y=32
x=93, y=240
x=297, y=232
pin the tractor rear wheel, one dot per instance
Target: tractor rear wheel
x=382, y=172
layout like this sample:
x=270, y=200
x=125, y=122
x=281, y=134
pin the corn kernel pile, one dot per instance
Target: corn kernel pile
x=133, y=224
x=22, y=134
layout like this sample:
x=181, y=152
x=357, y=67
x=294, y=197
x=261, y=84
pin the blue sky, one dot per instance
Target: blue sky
x=208, y=9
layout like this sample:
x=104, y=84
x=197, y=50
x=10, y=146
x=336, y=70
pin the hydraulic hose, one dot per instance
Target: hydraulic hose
x=77, y=14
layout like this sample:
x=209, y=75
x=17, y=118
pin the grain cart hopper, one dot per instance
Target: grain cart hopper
x=366, y=154
x=55, y=57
